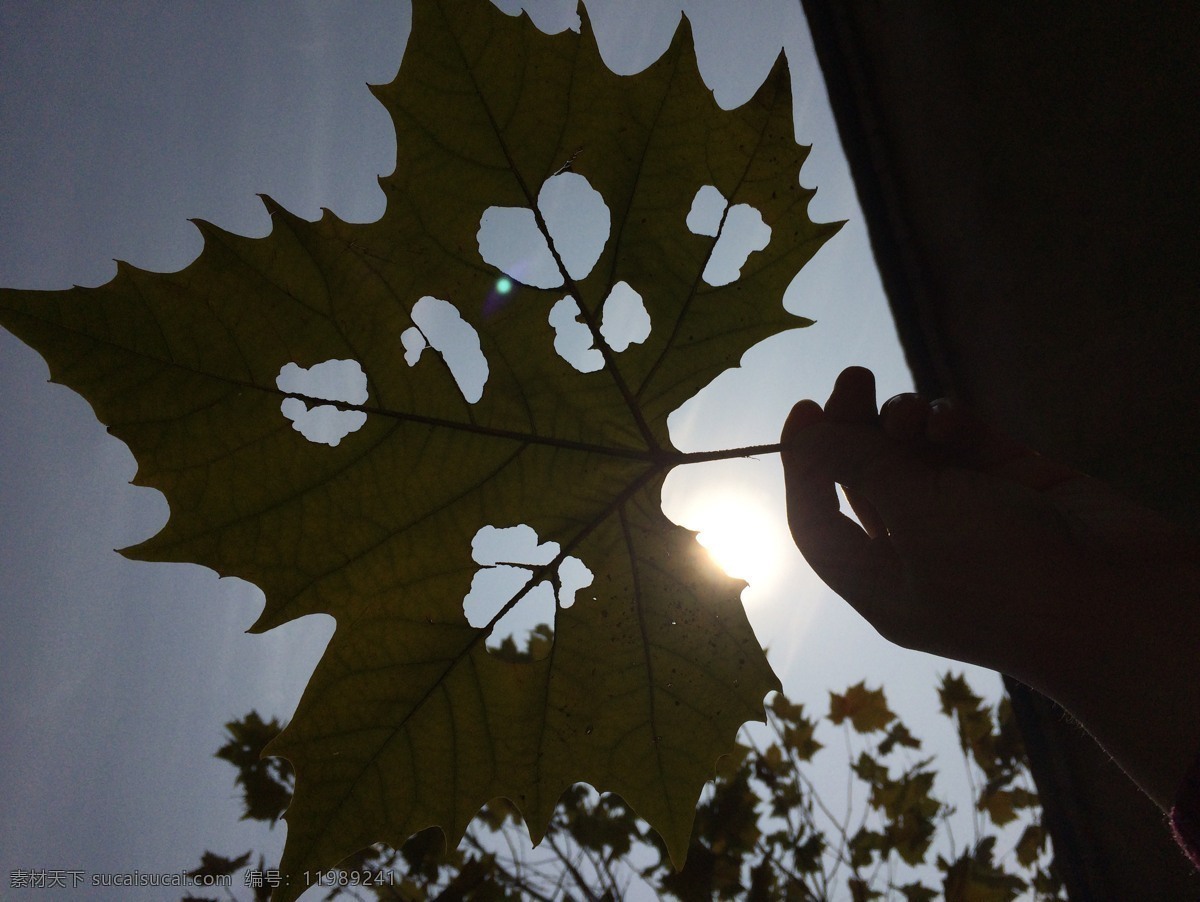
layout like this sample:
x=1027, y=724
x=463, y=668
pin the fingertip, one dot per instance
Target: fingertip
x=803, y=414
x=903, y=417
x=853, y=396
x=857, y=373
x=856, y=379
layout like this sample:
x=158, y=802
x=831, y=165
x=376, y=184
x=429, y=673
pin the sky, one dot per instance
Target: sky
x=119, y=122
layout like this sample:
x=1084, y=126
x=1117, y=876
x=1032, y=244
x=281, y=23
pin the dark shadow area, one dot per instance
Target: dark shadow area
x=1029, y=178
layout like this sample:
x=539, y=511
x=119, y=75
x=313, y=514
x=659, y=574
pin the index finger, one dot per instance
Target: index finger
x=837, y=548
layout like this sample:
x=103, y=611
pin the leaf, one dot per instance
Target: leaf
x=800, y=740
x=956, y=696
x=916, y=892
x=898, y=734
x=806, y=856
x=974, y=877
x=1010, y=745
x=795, y=729
x=907, y=803
x=999, y=804
x=424, y=853
x=214, y=865
x=607, y=827
x=409, y=721
x=861, y=891
x=975, y=726
x=869, y=770
x=1030, y=845
x=864, y=845
x=266, y=782
x=866, y=708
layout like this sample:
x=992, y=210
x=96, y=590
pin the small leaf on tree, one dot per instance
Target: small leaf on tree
x=214, y=865
x=866, y=708
x=898, y=734
x=1031, y=844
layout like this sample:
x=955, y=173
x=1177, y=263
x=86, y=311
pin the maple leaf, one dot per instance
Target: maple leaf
x=866, y=708
x=409, y=720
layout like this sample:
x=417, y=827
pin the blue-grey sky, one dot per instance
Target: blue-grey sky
x=118, y=122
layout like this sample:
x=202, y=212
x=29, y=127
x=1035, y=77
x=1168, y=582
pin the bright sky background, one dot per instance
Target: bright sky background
x=121, y=121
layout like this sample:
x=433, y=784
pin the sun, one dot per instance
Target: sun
x=741, y=536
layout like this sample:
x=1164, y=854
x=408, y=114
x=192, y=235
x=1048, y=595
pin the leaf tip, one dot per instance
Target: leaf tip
x=272, y=206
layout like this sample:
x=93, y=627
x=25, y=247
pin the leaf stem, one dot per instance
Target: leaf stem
x=727, y=453
x=674, y=458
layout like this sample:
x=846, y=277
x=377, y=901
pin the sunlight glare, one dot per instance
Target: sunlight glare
x=741, y=537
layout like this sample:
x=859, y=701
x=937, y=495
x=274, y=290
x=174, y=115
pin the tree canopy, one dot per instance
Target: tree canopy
x=765, y=828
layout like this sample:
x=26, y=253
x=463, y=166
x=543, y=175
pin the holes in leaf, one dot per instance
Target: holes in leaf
x=708, y=206
x=510, y=241
x=333, y=380
x=573, y=339
x=624, y=321
x=578, y=222
x=439, y=325
x=509, y=558
x=742, y=233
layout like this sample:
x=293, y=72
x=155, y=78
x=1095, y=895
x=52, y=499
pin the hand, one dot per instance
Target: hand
x=974, y=547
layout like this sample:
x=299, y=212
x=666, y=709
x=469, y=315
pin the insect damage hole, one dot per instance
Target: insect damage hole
x=742, y=233
x=624, y=322
x=333, y=380
x=577, y=219
x=573, y=339
x=439, y=325
x=509, y=558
